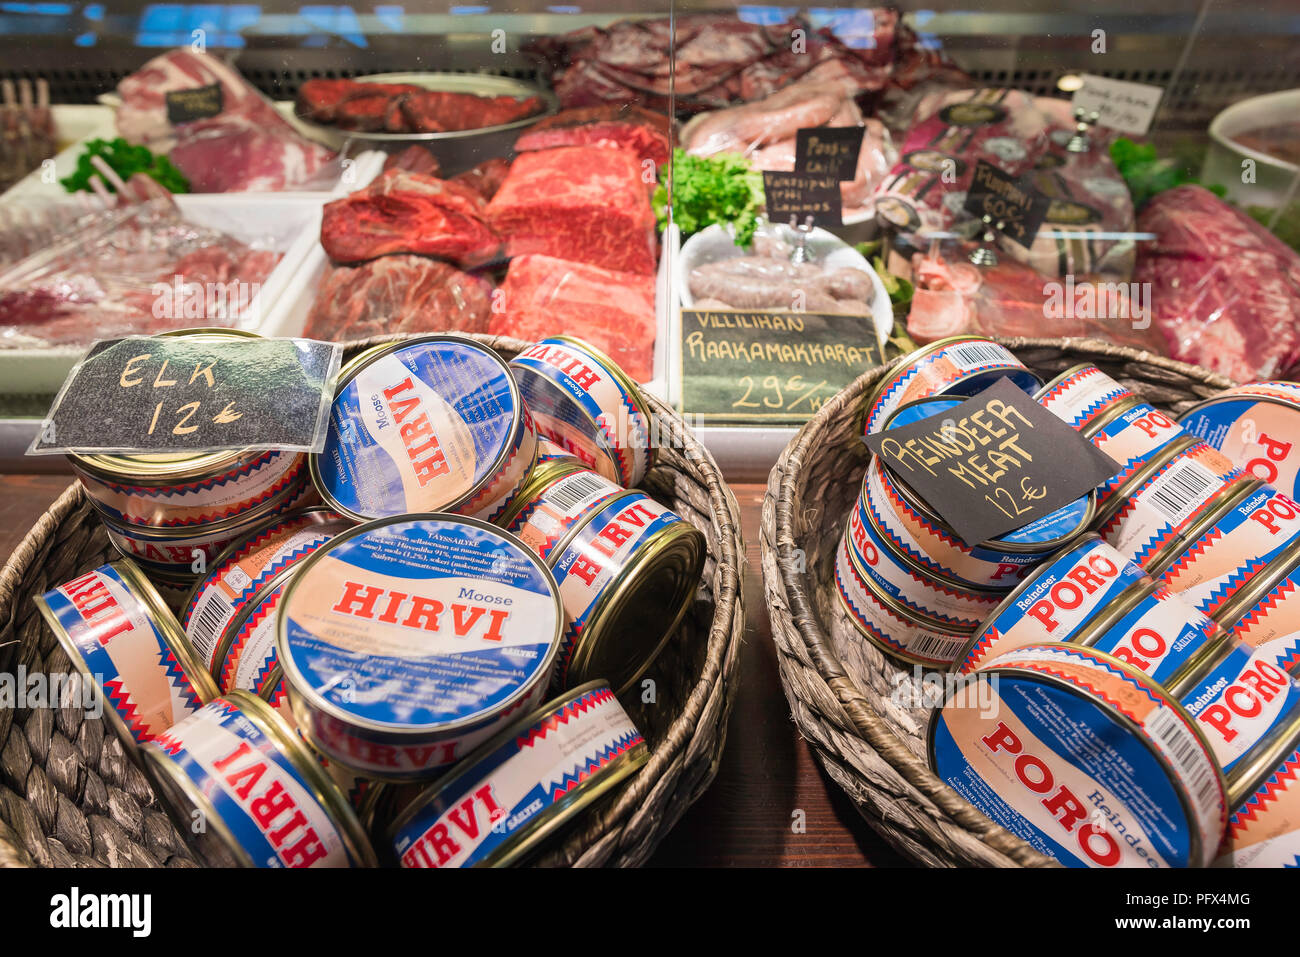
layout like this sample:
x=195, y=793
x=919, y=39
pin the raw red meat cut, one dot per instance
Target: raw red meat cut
x=614, y=311
x=1225, y=291
x=398, y=294
x=433, y=111
x=583, y=203
x=416, y=159
x=406, y=108
x=319, y=99
x=115, y=272
x=643, y=132
x=485, y=178
x=404, y=212
x=245, y=146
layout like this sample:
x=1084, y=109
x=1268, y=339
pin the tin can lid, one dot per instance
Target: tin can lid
x=546, y=822
x=419, y=425
x=418, y=623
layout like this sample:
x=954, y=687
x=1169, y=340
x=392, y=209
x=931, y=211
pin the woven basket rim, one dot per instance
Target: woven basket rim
x=787, y=589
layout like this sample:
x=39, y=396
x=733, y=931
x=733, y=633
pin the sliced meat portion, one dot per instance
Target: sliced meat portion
x=614, y=311
x=320, y=99
x=583, y=203
x=398, y=294
x=404, y=212
x=414, y=159
x=485, y=178
x=642, y=132
x=366, y=114
x=436, y=111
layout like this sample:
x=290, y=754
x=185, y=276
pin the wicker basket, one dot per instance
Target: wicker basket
x=842, y=690
x=69, y=796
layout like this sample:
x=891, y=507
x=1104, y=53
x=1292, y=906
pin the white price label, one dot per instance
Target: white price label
x=1119, y=104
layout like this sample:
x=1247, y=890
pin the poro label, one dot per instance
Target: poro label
x=1075, y=586
x=418, y=438
x=364, y=601
x=1275, y=450
x=1244, y=702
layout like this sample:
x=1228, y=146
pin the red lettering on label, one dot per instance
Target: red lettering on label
x=1257, y=685
x=1275, y=450
x=273, y=810
x=1153, y=423
x=360, y=601
x=1142, y=647
x=362, y=596
x=422, y=448
x=1068, y=594
x=97, y=606
x=586, y=569
x=1279, y=507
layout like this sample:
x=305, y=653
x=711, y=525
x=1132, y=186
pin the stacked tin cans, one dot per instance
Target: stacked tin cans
x=1154, y=627
x=481, y=550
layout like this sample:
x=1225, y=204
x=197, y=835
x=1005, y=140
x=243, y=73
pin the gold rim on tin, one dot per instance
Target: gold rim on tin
x=1259, y=764
x=1230, y=495
x=383, y=349
x=526, y=840
x=900, y=610
x=1123, y=404
x=661, y=574
x=1056, y=380
x=1147, y=471
x=1264, y=581
x=542, y=477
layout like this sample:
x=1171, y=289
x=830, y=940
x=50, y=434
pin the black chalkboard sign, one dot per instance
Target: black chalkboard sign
x=1006, y=199
x=776, y=368
x=993, y=464
x=828, y=151
x=800, y=196
x=199, y=103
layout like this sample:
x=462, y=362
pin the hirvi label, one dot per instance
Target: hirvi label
x=240, y=576
x=1240, y=700
x=1131, y=439
x=255, y=789
x=518, y=784
x=1068, y=758
x=1057, y=602
x=418, y=430
x=1272, y=626
x=1245, y=540
x=1265, y=830
x=1168, y=503
x=1158, y=636
x=595, y=557
x=418, y=625
x=1081, y=398
x=125, y=651
x=251, y=659
x=1259, y=436
x=552, y=513
x=610, y=420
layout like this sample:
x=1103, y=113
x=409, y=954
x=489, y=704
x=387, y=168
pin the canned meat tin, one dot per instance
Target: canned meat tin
x=238, y=573
x=521, y=787
x=1086, y=759
x=1057, y=602
x=1256, y=426
x=1131, y=433
x=1265, y=615
x=999, y=565
x=265, y=801
x=581, y=400
x=122, y=639
x=887, y=624
x=909, y=584
x=433, y=424
x=1156, y=633
x=1237, y=549
x=548, y=451
x=961, y=365
x=1241, y=700
x=553, y=502
x=1171, y=504
x=173, y=552
x=627, y=576
x=407, y=641
x=245, y=657
x=1081, y=396
x=1264, y=829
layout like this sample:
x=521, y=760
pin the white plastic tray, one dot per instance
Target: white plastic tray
x=73, y=125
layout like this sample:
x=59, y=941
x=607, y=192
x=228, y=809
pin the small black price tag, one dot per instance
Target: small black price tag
x=194, y=394
x=1006, y=199
x=993, y=464
x=744, y=366
x=828, y=151
x=799, y=195
x=199, y=103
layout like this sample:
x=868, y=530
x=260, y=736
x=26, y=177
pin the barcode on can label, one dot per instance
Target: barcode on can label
x=971, y=355
x=207, y=623
x=935, y=647
x=1190, y=760
x=574, y=493
x=1184, y=488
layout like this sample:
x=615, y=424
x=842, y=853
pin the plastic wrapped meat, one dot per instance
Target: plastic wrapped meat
x=119, y=271
x=1225, y=291
x=398, y=294
x=614, y=311
x=955, y=297
x=235, y=139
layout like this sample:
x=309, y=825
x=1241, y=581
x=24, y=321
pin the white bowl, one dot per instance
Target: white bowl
x=1223, y=160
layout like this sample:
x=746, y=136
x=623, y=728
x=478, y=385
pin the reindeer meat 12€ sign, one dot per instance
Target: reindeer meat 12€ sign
x=995, y=463
x=178, y=394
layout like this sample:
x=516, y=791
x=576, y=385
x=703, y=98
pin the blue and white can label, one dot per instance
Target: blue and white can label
x=1242, y=699
x=518, y=784
x=1131, y=439
x=1158, y=636
x=416, y=633
x=1255, y=425
x=266, y=803
x=250, y=658
x=1082, y=397
x=435, y=425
